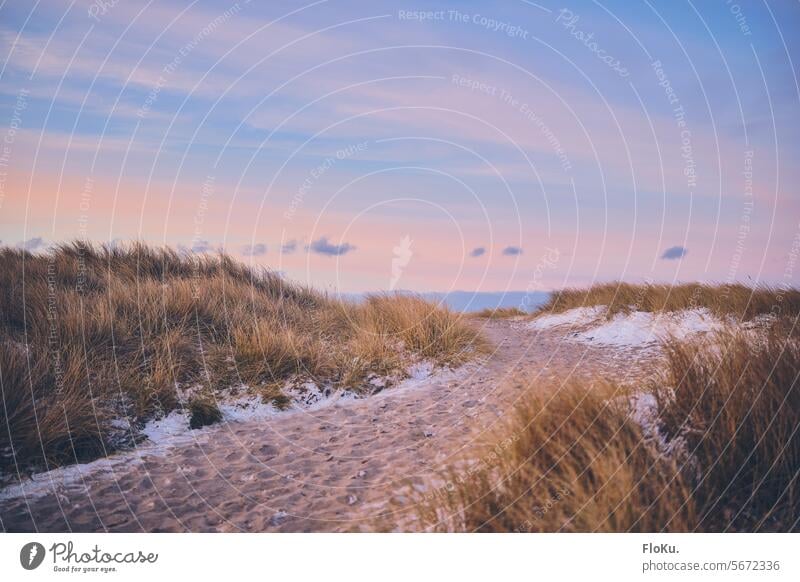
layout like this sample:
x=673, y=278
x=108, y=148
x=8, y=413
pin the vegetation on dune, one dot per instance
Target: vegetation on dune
x=720, y=452
x=573, y=462
x=740, y=301
x=736, y=405
x=89, y=334
x=500, y=313
x=424, y=328
x=203, y=410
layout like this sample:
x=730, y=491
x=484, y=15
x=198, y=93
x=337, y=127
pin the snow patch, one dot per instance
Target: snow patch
x=247, y=408
x=162, y=429
x=644, y=412
x=642, y=328
x=172, y=430
x=634, y=329
x=572, y=317
x=420, y=371
x=311, y=396
x=306, y=393
x=60, y=481
x=337, y=397
x=424, y=374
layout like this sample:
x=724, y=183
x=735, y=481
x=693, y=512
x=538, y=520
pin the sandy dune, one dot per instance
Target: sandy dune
x=345, y=467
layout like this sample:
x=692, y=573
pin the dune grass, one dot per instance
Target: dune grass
x=574, y=463
x=736, y=300
x=736, y=404
x=91, y=334
x=203, y=410
x=500, y=313
x=727, y=457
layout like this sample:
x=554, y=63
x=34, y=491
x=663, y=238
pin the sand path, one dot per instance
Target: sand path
x=348, y=466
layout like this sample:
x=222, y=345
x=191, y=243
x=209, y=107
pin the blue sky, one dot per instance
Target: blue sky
x=573, y=142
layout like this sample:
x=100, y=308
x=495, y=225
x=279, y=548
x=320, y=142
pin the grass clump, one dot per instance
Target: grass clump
x=500, y=313
x=737, y=406
x=89, y=334
x=203, y=411
x=430, y=331
x=736, y=300
x=575, y=463
x=726, y=456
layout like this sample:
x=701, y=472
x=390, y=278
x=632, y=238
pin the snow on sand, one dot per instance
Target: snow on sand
x=634, y=329
x=172, y=430
x=573, y=318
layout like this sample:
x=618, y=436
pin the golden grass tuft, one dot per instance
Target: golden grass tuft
x=573, y=463
x=88, y=334
x=500, y=313
x=428, y=330
x=737, y=406
x=728, y=414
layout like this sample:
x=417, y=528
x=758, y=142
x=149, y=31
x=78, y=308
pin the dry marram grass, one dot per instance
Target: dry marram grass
x=727, y=416
x=500, y=313
x=574, y=462
x=89, y=334
x=740, y=301
x=737, y=406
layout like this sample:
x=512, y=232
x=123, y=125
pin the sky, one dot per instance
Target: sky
x=431, y=146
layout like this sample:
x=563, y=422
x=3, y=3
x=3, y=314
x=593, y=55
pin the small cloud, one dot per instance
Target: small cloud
x=477, y=252
x=256, y=250
x=199, y=246
x=674, y=253
x=323, y=247
x=289, y=247
x=512, y=251
x=31, y=244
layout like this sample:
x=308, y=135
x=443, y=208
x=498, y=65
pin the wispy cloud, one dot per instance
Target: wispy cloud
x=32, y=244
x=289, y=247
x=200, y=246
x=512, y=251
x=477, y=252
x=321, y=246
x=255, y=250
x=674, y=253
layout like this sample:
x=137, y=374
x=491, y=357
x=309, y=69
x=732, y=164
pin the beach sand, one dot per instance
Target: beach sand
x=347, y=466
